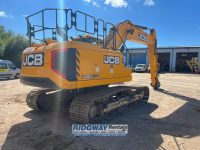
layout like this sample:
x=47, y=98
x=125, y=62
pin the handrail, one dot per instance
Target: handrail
x=70, y=22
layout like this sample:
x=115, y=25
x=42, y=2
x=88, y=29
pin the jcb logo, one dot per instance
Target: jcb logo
x=142, y=37
x=34, y=60
x=112, y=60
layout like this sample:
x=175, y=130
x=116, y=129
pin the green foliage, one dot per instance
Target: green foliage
x=11, y=46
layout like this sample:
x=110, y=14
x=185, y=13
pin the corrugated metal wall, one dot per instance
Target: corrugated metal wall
x=137, y=58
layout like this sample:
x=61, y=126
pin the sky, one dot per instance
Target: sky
x=177, y=22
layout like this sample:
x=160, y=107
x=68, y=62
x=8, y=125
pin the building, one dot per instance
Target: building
x=171, y=59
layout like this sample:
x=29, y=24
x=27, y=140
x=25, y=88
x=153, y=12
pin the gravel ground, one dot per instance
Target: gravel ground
x=171, y=119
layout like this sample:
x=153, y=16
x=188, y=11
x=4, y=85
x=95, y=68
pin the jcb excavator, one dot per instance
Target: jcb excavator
x=85, y=67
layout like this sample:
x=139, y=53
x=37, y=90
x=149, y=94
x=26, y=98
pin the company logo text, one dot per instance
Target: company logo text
x=34, y=59
x=112, y=60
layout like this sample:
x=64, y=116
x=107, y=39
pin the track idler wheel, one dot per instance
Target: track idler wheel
x=39, y=100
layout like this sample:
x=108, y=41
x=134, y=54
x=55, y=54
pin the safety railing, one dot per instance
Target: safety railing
x=61, y=24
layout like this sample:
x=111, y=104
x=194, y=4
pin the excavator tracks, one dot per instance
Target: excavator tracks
x=93, y=107
x=38, y=99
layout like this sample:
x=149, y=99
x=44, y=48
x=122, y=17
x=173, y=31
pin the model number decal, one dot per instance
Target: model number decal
x=90, y=76
x=112, y=60
x=34, y=59
x=142, y=37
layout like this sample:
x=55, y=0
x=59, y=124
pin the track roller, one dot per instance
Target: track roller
x=93, y=107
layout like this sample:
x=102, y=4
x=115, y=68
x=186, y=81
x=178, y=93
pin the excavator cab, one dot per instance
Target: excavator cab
x=84, y=66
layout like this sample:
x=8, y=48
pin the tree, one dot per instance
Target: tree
x=11, y=46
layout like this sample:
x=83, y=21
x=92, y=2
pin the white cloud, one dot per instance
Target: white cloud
x=5, y=15
x=149, y=3
x=95, y=4
x=113, y=3
x=116, y=3
x=87, y=1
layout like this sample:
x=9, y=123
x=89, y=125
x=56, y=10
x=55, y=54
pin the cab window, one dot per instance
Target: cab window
x=3, y=66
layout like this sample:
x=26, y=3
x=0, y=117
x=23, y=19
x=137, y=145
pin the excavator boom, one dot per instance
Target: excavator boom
x=128, y=31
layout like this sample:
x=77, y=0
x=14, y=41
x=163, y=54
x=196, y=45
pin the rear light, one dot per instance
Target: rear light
x=59, y=61
x=63, y=62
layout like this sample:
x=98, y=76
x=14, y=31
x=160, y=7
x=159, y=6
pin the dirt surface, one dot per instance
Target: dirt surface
x=171, y=120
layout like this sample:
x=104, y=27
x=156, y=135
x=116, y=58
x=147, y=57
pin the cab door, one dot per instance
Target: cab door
x=11, y=69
